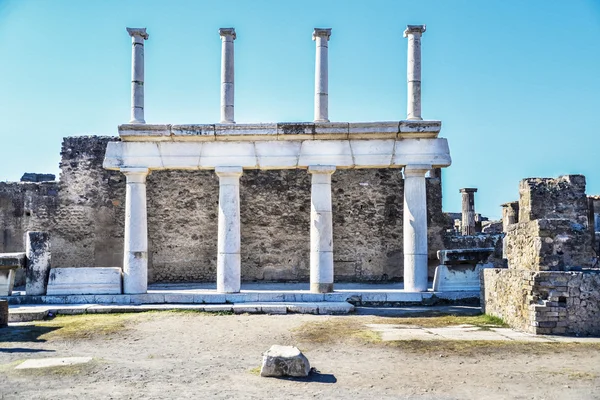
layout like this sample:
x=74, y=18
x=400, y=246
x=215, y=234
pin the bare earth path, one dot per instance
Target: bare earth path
x=192, y=355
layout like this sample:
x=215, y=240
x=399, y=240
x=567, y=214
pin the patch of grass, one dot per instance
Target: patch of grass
x=255, y=371
x=336, y=329
x=85, y=326
x=483, y=321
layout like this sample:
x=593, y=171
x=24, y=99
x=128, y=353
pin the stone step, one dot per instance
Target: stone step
x=357, y=297
x=27, y=313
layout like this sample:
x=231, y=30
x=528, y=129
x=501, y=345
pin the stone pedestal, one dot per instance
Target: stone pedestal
x=415, y=228
x=227, y=75
x=92, y=280
x=460, y=269
x=321, y=37
x=138, y=35
x=413, y=33
x=135, y=262
x=9, y=263
x=37, y=250
x=228, y=258
x=321, y=230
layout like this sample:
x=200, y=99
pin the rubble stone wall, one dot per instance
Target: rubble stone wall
x=548, y=245
x=84, y=213
x=544, y=302
x=562, y=197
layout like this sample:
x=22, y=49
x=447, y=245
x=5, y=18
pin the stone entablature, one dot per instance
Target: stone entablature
x=279, y=146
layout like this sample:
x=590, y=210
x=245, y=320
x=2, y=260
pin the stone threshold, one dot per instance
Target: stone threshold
x=356, y=297
x=28, y=313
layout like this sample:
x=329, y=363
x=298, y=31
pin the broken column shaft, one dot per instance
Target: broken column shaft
x=468, y=211
x=227, y=75
x=321, y=37
x=138, y=35
x=413, y=33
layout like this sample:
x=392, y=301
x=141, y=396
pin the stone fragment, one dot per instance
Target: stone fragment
x=52, y=362
x=284, y=361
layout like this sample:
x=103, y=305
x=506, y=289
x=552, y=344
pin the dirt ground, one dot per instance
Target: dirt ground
x=178, y=355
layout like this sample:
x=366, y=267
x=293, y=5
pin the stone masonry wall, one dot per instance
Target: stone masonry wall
x=548, y=245
x=84, y=214
x=562, y=197
x=544, y=302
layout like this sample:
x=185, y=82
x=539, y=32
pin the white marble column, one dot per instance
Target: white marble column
x=135, y=260
x=227, y=75
x=415, y=228
x=321, y=230
x=321, y=37
x=138, y=35
x=228, y=258
x=413, y=33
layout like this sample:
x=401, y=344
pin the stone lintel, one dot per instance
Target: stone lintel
x=12, y=260
x=464, y=256
x=227, y=32
x=414, y=29
x=321, y=32
x=406, y=129
x=140, y=32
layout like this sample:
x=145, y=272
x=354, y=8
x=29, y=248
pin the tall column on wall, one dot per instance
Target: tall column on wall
x=413, y=33
x=227, y=75
x=135, y=261
x=468, y=211
x=415, y=228
x=321, y=230
x=228, y=242
x=138, y=35
x=321, y=37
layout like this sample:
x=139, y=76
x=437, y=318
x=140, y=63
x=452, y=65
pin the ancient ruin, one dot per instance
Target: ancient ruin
x=317, y=203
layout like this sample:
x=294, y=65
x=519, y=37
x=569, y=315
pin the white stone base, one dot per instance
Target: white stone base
x=84, y=281
x=458, y=278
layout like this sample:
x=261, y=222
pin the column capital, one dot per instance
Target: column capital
x=321, y=32
x=229, y=172
x=418, y=170
x=467, y=190
x=321, y=169
x=414, y=29
x=138, y=32
x=227, y=32
x=135, y=175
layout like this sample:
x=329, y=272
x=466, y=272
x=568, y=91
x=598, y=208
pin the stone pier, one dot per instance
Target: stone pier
x=413, y=33
x=468, y=211
x=138, y=35
x=321, y=230
x=228, y=257
x=37, y=250
x=227, y=75
x=135, y=261
x=415, y=228
x=321, y=37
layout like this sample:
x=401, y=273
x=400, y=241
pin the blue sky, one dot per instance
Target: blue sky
x=515, y=83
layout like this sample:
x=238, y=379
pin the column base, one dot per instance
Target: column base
x=228, y=273
x=321, y=287
x=135, y=273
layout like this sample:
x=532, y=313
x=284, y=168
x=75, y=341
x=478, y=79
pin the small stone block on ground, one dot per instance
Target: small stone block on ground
x=3, y=313
x=281, y=361
x=52, y=362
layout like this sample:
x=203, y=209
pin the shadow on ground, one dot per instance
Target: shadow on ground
x=26, y=333
x=418, y=311
x=314, y=376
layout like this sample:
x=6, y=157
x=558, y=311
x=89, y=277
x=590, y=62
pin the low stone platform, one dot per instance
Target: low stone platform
x=26, y=313
x=357, y=294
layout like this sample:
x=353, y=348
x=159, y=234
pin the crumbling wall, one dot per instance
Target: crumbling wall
x=85, y=215
x=550, y=286
x=544, y=302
